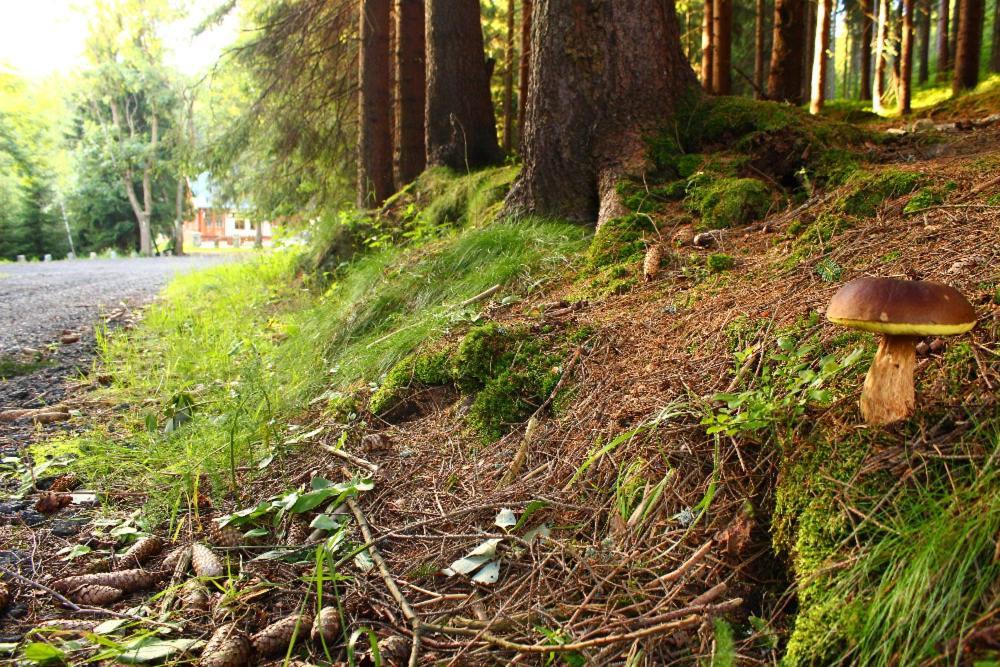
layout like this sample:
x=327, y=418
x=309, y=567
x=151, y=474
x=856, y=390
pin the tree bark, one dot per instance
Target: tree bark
x=722, y=70
x=708, y=47
x=411, y=81
x=808, y=55
x=610, y=74
x=758, y=50
x=375, y=182
x=924, y=51
x=970, y=42
x=956, y=19
x=818, y=96
x=880, y=40
x=995, y=48
x=943, y=51
x=906, y=59
x=867, y=12
x=524, y=75
x=784, y=82
x=461, y=127
x=508, y=81
x=179, y=217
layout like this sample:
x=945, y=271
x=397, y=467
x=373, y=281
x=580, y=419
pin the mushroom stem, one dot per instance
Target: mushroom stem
x=888, y=393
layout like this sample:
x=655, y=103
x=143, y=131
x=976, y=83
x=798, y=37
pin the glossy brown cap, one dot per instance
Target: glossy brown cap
x=901, y=307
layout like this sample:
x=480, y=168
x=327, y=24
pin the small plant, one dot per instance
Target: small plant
x=719, y=262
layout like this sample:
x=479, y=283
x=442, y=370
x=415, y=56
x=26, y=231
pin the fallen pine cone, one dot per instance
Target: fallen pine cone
x=326, y=627
x=394, y=650
x=297, y=533
x=14, y=415
x=228, y=647
x=651, y=265
x=175, y=555
x=49, y=417
x=95, y=595
x=224, y=536
x=69, y=338
x=194, y=595
x=275, y=638
x=66, y=482
x=204, y=561
x=125, y=580
x=51, y=502
x=144, y=549
x=4, y=596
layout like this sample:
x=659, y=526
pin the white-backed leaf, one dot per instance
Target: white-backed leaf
x=488, y=574
x=506, y=518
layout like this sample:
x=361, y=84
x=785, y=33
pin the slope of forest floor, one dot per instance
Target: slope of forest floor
x=524, y=444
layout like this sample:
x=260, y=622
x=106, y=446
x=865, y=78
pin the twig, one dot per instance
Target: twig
x=479, y=297
x=180, y=568
x=390, y=583
x=937, y=206
x=356, y=460
x=676, y=574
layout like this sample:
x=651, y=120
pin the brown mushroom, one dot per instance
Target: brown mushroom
x=899, y=311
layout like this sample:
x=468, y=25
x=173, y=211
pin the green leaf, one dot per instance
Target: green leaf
x=256, y=532
x=75, y=551
x=150, y=649
x=43, y=653
x=324, y=522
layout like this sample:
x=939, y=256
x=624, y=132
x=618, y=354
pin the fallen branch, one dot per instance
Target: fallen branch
x=351, y=458
x=180, y=569
x=479, y=297
x=676, y=574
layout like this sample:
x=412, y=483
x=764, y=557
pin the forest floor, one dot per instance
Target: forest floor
x=586, y=465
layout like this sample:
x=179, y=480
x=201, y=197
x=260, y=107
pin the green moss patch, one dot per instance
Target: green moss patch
x=727, y=202
x=620, y=240
x=868, y=191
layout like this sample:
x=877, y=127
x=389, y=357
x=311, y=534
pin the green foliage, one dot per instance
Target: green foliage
x=620, y=240
x=867, y=191
x=419, y=369
x=727, y=202
x=927, y=197
x=718, y=262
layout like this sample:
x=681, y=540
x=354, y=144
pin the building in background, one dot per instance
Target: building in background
x=217, y=223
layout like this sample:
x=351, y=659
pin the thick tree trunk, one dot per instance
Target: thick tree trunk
x=604, y=76
x=970, y=42
x=784, y=82
x=524, y=76
x=995, y=48
x=179, y=217
x=808, y=42
x=508, y=81
x=943, y=50
x=375, y=183
x=410, y=80
x=722, y=77
x=758, y=50
x=708, y=47
x=867, y=12
x=880, y=41
x=924, y=51
x=461, y=127
x=956, y=19
x=906, y=59
x=820, y=60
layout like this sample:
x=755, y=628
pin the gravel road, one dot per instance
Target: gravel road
x=38, y=300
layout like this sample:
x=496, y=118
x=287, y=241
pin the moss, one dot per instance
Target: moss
x=924, y=198
x=727, y=202
x=835, y=166
x=417, y=370
x=719, y=262
x=644, y=198
x=620, y=240
x=341, y=407
x=816, y=237
x=867, y=191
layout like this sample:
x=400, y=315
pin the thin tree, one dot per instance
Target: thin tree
x=410, y=81
x=970, y=41
x=880, y=43
x=906, y=59
x=609, y=77
x=784, y=81
x=461, y=127
x=995, y=48
x=758, y=50
x=722, y=67
x=508, y=81
x=375, y=183
x=943, y=50
x=708, y=47
x=818, y=96
x=524, y=75
x=809, y=41
x=923, y=19
x=867, y=12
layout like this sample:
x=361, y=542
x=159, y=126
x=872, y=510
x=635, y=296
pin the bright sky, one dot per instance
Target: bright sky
x=43, y=37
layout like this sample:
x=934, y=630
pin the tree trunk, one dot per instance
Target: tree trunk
x=818, y=96
x=995, y=48
x=879, y=78
x=943, y=51
x=722, y=69
x=708, y=47
x=524, y=76
x=508, y=81
x=784, y=82
x=906, y=59
x=956, y=18
x=179, y=217
x=867, y=12
x=924, y=52
x=258, y=239
x=758, y=50
x=610, y=75
x=375, y=183
x=807, y=55
x=970, y=42
x=410, y=80
x=461, y=127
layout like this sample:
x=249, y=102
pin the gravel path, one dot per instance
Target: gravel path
x=39, y=300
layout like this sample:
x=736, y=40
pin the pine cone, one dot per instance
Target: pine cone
x=4, y=596
x=66, y=482
x=144, y=549
x=194, y=595
x=651, y=265
x=275, y=638
x=125, y=580
x=51, y=502
x=326, y=627
x=223, y=608
x=95, y=595
x=298, y=532
x=228, y=647
x=170, y=562
x=204, y=561
x=224, y=536
x=394, y=650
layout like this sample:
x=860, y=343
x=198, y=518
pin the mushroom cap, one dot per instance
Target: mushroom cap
x=901, y=307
